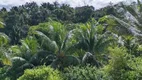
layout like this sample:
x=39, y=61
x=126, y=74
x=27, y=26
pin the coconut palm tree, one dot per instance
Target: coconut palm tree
x=93, y=39
x=54, y=37
x=4, y=56
x=21, y=57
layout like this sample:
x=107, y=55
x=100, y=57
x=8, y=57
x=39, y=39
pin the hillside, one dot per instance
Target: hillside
x=59, y=42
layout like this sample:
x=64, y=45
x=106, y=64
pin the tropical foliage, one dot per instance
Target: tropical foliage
x=58, y=42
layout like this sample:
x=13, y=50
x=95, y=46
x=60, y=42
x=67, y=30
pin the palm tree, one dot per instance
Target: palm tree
x=93, y=40
x=21, y=57
x=130, y=43
x=56, y=40
x=4, y=56
x=27, y=55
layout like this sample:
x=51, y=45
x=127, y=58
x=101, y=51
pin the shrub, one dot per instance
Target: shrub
x=136, y=65
x=84, y=73
x=2, y=73
x=117, y=63
x=123, y=66
x=41, y=73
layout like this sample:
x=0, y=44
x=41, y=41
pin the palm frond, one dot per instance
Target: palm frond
x=4, y=39
x=46, y=42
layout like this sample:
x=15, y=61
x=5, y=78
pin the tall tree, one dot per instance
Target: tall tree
x=83, y=14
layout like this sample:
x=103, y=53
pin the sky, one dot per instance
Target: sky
x=73, y=3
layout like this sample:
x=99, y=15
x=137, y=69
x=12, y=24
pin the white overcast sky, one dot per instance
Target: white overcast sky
x=96, y=3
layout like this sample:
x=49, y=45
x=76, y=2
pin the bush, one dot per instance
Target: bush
x=2, y=73
x=84, y=73
x=123, y=66
x=136, y=65
x=117, y=63
x=41, y=73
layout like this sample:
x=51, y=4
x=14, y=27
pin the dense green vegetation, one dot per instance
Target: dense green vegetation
x=58, y=42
